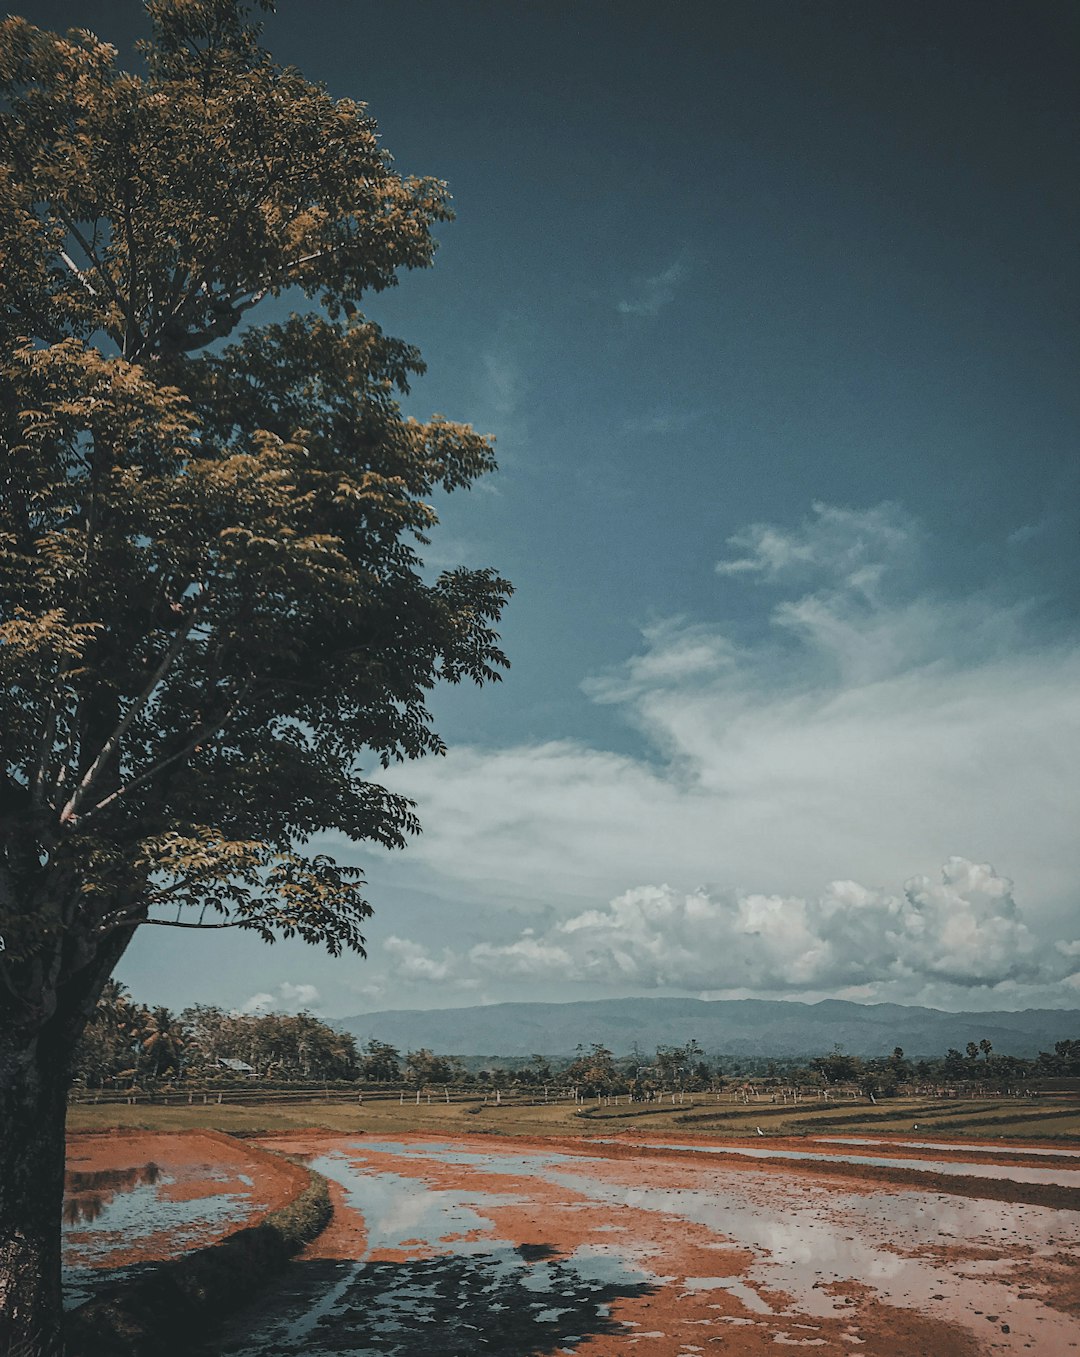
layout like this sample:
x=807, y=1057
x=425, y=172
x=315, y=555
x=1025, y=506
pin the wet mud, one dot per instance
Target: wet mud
x=529, y=1247
x=136, y=1198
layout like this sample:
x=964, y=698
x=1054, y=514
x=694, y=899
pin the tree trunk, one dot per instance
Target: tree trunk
x=33, y=1106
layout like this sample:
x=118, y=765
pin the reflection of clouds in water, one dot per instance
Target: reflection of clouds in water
x=528, y=1299
x=398, y=1209
x=439, y=1304
x=822, y=1236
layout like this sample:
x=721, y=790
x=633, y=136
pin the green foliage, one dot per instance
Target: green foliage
x=836, y=1068
x=380, y=1062
x=213, y=611
x=128, y=1043
x=594, y=1070
x=424, y=1067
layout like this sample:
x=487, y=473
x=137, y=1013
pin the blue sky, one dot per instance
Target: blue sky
x=772, y=308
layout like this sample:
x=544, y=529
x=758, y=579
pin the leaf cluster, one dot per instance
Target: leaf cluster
x=213, y=606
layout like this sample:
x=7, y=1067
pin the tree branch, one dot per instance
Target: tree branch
x=199, y=737
x=112, y=744
x=174, y=923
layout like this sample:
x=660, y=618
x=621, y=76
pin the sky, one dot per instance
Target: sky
x=772, y=309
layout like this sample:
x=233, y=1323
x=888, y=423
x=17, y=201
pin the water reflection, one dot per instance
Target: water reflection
x=523, y=1298
x=492, y=1300
x=1053, y=1177
x=899, y=1244
x=1018, y=1150
x=88, y=1193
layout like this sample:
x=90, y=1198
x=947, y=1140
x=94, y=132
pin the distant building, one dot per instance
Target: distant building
x=236, y=1066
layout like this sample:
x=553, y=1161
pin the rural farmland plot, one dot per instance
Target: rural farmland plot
x=469, y=1244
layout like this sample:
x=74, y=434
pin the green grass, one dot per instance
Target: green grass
x=1047, y=1118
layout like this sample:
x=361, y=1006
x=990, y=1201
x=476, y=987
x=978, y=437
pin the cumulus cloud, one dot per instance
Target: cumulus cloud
x=414, y=962
x=873, y=726
x=964, y=929
x=287, y=998
x=652, y=293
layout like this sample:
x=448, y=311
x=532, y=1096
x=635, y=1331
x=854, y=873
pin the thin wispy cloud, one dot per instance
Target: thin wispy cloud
x=661, y=423
x=500, y=404
x=648, y=295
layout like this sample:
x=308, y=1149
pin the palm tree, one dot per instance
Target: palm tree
x=162, y=1040
x=113, y=1008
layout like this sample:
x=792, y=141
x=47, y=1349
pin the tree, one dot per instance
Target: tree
x=212, y=603
x=594, y=1070
x=423, y=1067
x=380, y=1062
x=162, y=1042
x=953, y=1066
x=836, y=1068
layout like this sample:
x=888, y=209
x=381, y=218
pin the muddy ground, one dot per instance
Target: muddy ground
x=134, y=1198
x=516, y=1246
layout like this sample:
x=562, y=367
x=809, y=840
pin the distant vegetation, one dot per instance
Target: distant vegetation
x=128, y=1044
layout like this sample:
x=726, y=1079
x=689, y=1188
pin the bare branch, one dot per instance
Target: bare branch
x=78, y=273
x=200, y=737
x=112, y=744
x=174, y=923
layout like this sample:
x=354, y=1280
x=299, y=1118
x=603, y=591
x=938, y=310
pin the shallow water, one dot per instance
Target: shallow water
x=470, y=1281
x=964, y=1148
x=1054, y=1177
x=109, y=1212
x=808, y=1243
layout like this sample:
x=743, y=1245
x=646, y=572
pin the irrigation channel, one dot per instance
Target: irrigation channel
x=667, y=1248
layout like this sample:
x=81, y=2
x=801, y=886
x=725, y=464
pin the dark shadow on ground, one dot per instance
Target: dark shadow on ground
x=516, y=1302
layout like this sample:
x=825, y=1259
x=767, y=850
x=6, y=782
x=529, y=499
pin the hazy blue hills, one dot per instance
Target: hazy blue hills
x=746, y=1027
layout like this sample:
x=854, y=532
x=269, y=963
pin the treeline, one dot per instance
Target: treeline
x=127, y=1043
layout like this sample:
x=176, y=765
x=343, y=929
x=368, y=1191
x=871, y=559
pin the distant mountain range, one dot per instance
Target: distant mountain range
x=737, y=1027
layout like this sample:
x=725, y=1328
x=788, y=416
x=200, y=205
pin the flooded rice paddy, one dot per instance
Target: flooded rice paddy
x=489, y=1244
x=1017, y=1173
x=135, y=1199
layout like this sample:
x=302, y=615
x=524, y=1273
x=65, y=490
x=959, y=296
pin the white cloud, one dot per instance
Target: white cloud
x=414, y=962
x=873, y=728
x=850, y=548
x=501, y=399
x=288, y=998
x=964, y=930
x=651, y=294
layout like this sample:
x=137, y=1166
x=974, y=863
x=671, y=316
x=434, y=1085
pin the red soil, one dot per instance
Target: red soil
x=184, y=1166
x=712, y=1290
